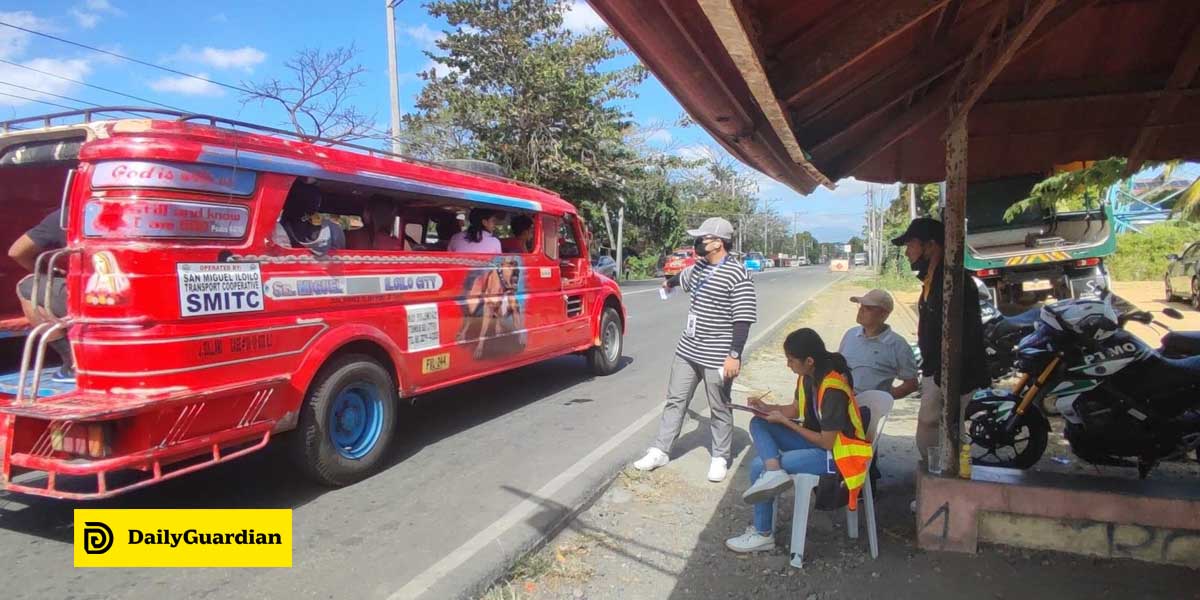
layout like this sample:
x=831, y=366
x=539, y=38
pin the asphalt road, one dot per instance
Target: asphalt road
x=483, y=471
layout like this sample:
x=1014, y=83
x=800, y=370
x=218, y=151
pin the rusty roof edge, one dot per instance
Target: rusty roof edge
x=724, y=19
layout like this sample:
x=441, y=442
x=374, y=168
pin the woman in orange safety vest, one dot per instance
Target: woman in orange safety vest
x=830, y=430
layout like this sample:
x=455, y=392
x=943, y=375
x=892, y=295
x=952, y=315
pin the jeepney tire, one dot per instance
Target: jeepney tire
x=313, y=446
x=605, y=358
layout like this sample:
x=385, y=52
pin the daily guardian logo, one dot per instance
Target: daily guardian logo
x=183, y=538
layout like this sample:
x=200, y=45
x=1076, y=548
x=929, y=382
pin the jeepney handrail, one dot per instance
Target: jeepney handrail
x=87, y=114
x=215, y=121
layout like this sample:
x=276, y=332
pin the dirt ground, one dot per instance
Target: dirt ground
x=661, y=535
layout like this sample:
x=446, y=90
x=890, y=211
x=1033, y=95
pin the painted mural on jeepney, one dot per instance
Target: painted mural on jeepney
x=494, y=309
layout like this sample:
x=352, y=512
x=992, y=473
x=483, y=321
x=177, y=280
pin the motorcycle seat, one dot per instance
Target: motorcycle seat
x=1023, y=322
x=1177, y=373
x=1181, y=343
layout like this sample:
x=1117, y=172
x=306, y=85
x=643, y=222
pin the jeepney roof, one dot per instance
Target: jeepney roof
x=243, y=145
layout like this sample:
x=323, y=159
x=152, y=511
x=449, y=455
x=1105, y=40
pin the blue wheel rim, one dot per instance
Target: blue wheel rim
x=355, y=420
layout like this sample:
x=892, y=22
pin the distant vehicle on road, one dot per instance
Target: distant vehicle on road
x=1183, y=276
x=605, y=265
x=802, y=262
x=754, y=261
x=679, y=260
x=860, y=259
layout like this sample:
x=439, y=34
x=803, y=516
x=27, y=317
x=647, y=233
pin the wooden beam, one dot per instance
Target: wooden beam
x=845, y=151
x=819, y=55
x=954, y=219
x=970, y=86
x=731, y=27
x=945, y=21
x=1181, y=77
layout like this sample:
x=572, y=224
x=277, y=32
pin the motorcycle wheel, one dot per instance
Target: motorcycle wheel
x=993, y=446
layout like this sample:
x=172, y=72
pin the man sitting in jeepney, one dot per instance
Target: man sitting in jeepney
x=447, y=225
x=521, y=241
x=379, y=219
x=45, y=236
x=301, y=224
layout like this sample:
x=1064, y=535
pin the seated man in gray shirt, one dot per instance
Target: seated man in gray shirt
x=877, y=355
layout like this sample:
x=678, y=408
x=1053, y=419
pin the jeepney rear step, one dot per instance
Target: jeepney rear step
x=84, y=405
x=47, y=387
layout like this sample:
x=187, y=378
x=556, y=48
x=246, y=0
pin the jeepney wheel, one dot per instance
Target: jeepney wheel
x=347, y=421
x=604, y=359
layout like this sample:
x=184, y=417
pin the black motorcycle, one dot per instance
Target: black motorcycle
x=1120, y=398
x=1002, y=333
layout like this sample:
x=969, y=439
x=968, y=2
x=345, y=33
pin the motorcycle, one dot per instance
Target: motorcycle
x=1001, y=333
x=1119, y=397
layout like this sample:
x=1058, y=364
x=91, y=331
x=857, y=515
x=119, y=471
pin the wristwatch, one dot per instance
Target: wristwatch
x=734, y=354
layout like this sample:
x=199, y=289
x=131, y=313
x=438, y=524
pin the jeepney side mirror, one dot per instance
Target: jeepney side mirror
x=1172, y=257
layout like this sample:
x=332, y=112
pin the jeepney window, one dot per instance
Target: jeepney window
x=568, y=242
x=43, y=151
x=550, y=227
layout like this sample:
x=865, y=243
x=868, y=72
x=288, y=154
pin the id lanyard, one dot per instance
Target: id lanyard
x=700, y=286
x=690, y=329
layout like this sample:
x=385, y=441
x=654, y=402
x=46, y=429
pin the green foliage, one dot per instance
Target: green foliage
x=1071, y=190
x=641, y=267
x=1143, y=256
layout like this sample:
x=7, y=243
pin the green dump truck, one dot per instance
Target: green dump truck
x=1041, y=252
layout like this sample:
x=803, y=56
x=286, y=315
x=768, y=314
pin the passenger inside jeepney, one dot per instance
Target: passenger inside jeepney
x=446, y=225
x=521, y=240
x=379, y=221
x=301, y=224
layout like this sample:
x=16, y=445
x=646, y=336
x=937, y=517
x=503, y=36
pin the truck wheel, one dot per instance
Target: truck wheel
x=604, y=359
x=347, y=421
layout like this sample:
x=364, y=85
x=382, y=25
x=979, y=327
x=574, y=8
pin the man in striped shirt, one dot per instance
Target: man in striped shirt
x=723, y=305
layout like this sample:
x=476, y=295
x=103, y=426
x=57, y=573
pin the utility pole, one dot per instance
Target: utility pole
x=912, y=201
x=620, y=234
x=393, y=76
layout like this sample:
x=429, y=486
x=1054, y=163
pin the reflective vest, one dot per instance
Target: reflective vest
x=852, y=455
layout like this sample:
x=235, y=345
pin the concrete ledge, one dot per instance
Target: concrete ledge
x=1147, y=520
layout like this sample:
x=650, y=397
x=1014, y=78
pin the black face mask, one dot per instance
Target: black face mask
x=920, y=265
x=699, y=246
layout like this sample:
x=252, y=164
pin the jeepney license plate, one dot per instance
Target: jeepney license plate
x=1036, y=285
x=435, y=363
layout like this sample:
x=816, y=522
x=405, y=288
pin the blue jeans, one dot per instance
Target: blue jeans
x=795, y=454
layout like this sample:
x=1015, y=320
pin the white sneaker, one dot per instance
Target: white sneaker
x=751, y=541
x=717, y=470
x=653, y=459
x=768, y=485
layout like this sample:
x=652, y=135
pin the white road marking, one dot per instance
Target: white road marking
x=459, y=556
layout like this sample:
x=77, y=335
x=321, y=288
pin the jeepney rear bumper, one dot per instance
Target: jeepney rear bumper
x=38, y=468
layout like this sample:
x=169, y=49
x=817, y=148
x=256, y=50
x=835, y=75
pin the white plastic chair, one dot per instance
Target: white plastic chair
x=880, y=405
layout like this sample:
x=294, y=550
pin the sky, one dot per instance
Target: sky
x=236, y=42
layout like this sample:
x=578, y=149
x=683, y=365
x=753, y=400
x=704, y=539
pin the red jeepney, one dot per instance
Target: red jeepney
x=199, y=334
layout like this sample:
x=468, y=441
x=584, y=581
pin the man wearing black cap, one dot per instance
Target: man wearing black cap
x=924, y=245
x=723, y=305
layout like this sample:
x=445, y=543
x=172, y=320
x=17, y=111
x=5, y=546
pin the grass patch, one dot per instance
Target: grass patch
x=891, y=281
x=1143, y=256
x=549, y=568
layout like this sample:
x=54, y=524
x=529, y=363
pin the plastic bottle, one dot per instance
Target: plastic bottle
x=964, y=459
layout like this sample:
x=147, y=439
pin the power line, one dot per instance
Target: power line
x=123, y=57
x=45, y=93
x=93, y=86
x=27, y=99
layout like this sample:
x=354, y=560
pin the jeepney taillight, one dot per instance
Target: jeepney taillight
x=92, y=440
x=984, y=273
x=1087, y=262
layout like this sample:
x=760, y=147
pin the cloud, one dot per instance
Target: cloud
x=580, y=18
x=424, y=35
x=46, y=85
x=439, y=69
x=694, y=152
x=661, y=137
x=244, y=58
x=13, y=42
x=188, y=86
x=88, y=14
x=219, y=18
x=851, y=187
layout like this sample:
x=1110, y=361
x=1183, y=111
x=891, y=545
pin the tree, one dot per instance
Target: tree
x=524, y=92
x=317, y=97
x=1071, y=190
